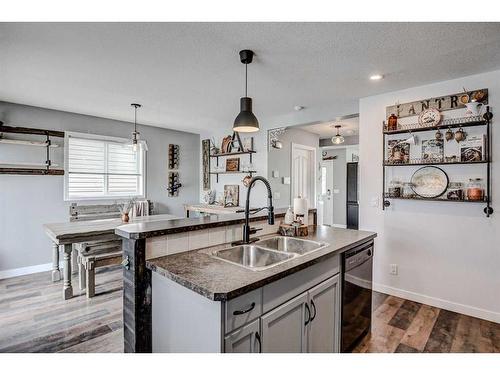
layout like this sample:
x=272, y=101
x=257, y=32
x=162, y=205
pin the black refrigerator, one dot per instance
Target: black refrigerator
x=352, y=196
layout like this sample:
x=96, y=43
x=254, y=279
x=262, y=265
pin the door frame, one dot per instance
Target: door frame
x=313, y=168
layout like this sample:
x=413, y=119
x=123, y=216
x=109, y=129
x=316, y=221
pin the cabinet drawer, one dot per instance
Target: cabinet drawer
x=243, y=309
x=280, y=291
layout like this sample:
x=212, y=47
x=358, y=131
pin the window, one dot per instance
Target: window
x=99, y=167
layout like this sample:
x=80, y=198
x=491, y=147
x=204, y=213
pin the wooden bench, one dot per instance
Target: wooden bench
x=93, y=254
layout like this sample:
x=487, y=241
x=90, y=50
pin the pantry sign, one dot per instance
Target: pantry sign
x=441, y=103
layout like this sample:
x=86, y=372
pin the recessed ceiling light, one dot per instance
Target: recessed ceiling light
x=376, y=77
x=298, y=107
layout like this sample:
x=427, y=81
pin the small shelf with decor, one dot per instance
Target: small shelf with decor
x=233, y=146
x=484, y=200
x=46, y=167
x=446, y=150
x=434, y=162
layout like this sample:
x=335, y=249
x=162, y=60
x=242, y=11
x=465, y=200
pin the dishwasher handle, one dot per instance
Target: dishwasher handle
x=356, y=259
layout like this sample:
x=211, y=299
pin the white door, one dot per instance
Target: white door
x=327, y=191
x=303, y=173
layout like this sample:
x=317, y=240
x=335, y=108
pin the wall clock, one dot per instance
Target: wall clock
x=429, y=117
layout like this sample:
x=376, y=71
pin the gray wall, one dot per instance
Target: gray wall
x=348, y=140
x=26, y=202
x=280, y=160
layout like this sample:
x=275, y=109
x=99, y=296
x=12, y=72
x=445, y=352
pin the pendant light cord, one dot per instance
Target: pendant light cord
x=135, y=119
x=246, y=80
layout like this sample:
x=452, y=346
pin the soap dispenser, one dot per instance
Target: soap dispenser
x=289, y=216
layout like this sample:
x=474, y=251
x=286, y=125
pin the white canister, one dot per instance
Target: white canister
x=300, y=208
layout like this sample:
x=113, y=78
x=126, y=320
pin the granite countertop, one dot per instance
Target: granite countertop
x=161, y=228
x=220, y=281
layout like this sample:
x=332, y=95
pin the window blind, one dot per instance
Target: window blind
x=99, y=168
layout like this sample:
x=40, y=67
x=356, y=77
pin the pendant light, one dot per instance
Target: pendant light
x=338, y=139
x=135, y=133
x=246, y=122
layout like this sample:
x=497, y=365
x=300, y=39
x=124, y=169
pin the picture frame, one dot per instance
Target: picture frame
x=233, y=165
x=247, y=144
x=231, y=195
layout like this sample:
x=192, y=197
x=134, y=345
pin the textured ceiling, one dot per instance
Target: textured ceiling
x=349, y=126
x=188, y=75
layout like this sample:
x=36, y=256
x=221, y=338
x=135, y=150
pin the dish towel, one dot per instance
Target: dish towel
x=141, y=208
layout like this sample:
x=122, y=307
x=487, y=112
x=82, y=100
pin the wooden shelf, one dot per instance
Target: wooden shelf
x=20, y=167
x=25, y=164
x=229, y=172
x=28, y=171
x=26, y=143
x=21, y=130
x=233, y=153
x=235, y=172
x=442, y=126
x=435, y=199
x=436, y=163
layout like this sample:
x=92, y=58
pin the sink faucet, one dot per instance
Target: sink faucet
x=270, y=210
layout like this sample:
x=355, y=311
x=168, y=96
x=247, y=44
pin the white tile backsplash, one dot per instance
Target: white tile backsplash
x=197, y=239
x=234, y=233
x=156, y=247
x=177, y=243
x=216, y=236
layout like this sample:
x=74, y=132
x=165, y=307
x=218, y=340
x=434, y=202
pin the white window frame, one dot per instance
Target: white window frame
x=142, y=166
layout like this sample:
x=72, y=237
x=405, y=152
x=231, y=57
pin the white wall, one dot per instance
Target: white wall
x=448, y=253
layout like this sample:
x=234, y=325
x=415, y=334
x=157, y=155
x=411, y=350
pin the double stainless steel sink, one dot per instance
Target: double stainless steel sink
x=267, y=253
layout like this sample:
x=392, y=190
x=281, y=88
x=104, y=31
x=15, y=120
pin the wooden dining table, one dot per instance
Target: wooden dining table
x=68, y=233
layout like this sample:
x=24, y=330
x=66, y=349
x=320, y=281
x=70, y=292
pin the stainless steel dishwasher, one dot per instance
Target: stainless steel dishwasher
x=356, y=295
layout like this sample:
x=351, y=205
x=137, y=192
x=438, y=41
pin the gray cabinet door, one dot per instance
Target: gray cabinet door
x=284, y=329
x=324, y=328
x=244, y=340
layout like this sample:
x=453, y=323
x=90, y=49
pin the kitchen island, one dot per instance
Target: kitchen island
x=190, y=268
x=202, y=303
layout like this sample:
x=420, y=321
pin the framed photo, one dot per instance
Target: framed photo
x=432, y=150
x=472, y=149
x=231, y=195
x=205, y=147
x=247, y=144
x=398, y=152
x=232, y=164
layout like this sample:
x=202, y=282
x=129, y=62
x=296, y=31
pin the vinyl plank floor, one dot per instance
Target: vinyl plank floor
x=403, y=326
x=35, y=318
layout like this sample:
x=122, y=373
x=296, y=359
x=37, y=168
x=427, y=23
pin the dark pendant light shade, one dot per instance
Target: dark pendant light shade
x=246, y=122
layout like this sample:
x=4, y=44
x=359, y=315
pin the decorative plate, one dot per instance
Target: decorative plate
x=429, y=117
x=429, y=182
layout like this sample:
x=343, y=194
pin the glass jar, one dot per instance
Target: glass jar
x=394, y=189
x=475, y=190
x=407, y=190
x=455, y=191
x=392, y=122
